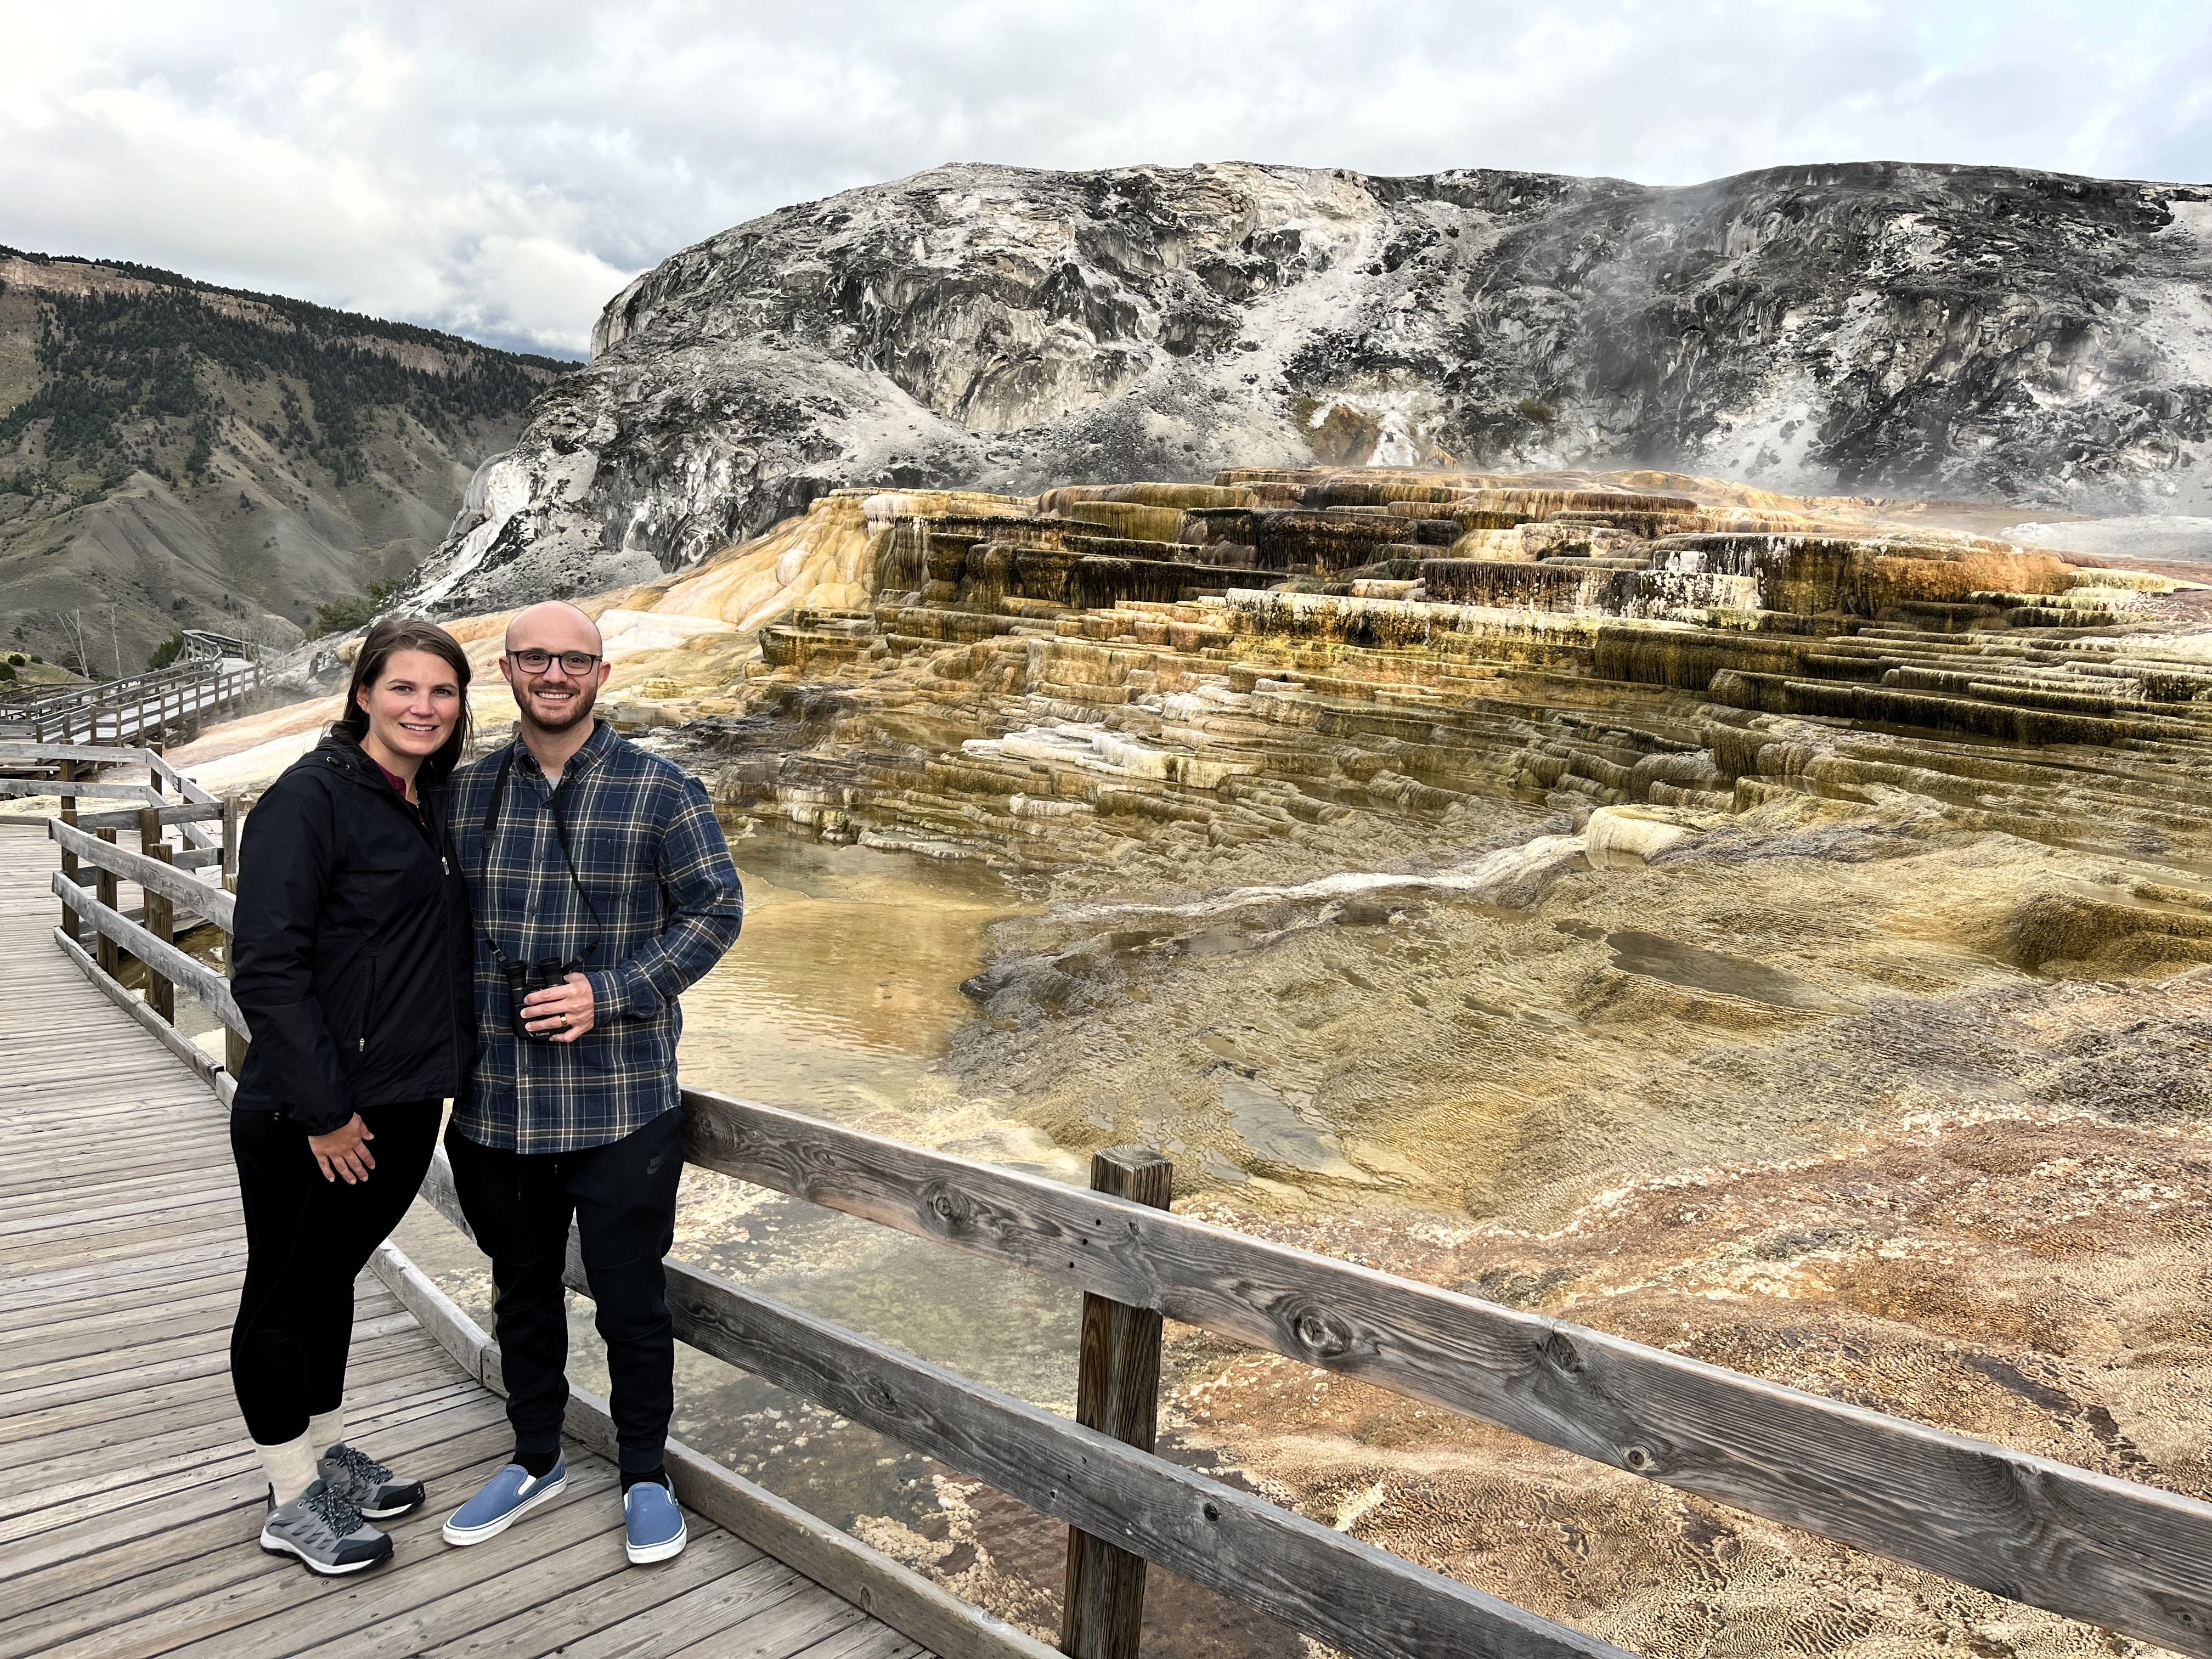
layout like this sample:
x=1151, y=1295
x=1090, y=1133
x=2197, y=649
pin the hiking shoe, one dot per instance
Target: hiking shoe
x=367, y=1484
x=653, y=1526
x=504, y=1500
x=324, y=1530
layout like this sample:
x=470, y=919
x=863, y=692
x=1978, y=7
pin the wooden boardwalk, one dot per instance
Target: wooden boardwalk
x=130, y=1498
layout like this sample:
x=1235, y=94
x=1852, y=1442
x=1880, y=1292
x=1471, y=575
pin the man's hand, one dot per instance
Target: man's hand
x=344, y=1152
x=562, y=1011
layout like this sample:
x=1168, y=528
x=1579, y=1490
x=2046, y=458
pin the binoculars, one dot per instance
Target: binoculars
x=524, y=977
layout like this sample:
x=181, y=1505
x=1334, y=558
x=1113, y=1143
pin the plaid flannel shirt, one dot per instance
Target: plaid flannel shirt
x=649, y=851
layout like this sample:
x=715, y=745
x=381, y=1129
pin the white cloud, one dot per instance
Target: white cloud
x=502, y=169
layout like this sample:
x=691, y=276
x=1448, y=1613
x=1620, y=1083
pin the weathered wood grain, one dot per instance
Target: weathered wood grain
x=1346, y=1592
x=574, y=1595
x=1117, y=1392
x=111, y=955
x=192, y=812
x=437, y=1191
x=869, y=1580
x=2135, y=1558
x=155, y=876
x=1320, y=1581
x=68, y=769
x=87, y=789
x=537, y=1609
x=104, y=754
x=209, y=987
x=160, y=915
x=158, y=765
x=443, y=1317
x=167, y=1035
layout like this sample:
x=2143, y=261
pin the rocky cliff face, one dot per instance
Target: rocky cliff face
x=1973, y=332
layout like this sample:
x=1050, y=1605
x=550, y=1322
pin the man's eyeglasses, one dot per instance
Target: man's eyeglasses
x=537, y=662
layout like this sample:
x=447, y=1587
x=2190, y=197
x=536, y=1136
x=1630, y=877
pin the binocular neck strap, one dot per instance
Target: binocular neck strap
x=560, y=834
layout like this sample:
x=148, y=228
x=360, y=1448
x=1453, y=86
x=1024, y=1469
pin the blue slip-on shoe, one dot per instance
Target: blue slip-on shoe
x=653, y=1526
x=504, y=1500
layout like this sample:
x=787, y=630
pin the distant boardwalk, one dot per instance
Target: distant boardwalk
x=130, y=1498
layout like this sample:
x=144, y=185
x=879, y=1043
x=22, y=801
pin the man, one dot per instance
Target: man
x=601, y=887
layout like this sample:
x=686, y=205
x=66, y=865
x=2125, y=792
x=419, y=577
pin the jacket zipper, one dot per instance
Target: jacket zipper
x=368, y=1010
x=442, y=828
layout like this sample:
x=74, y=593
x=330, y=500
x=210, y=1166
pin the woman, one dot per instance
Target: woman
x=352, y=958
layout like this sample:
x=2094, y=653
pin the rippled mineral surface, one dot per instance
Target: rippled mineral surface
x=1757, y=929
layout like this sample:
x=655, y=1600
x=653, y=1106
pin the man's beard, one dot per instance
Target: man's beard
x=580, y=709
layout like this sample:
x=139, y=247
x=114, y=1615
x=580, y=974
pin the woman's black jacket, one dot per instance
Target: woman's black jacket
x=352, y=950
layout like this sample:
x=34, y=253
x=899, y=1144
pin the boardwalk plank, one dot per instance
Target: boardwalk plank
x=236, y=1485
x=204, y=1399
x=119, y=1335
x=130, y=1210
x=30, y=1515
x=130, y=1496
x=78, y=1600
x=593, y=1569
x=808, y=1615
x=869, y=1642
x=94, y=1294
x=146, y=1365
x=273, y=1613
x=104, y=1449
x=554, y=1625
x=94, y=1279
x=193, y=1362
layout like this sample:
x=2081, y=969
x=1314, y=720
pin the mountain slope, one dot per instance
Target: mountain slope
x=1979, y=332
x=193, y=456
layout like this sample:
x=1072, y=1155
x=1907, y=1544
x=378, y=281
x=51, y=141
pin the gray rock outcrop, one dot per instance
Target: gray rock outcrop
x=1972, y=332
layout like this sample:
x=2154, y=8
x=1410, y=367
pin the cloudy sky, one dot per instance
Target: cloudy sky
x=500, y=169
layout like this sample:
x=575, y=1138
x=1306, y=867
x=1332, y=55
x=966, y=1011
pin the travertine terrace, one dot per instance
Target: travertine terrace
x=1773, y=928
x=1151, y=667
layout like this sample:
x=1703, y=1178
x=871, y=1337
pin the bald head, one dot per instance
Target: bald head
x=554, y=663
x=553, y=625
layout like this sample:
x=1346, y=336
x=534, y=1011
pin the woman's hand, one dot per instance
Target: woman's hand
x=344, y=1152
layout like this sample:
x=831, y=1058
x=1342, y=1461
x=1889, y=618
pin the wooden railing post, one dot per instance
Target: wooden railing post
x=234, y=1046
x=160, y=914
x=111, y=953
x=1117, y=1392
x=230, y=844
x=69, y=859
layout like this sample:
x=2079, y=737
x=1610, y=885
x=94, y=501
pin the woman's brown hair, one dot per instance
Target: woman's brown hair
x=397, y=633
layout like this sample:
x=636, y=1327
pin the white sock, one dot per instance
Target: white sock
x=326, y=1429
x=289, y=1467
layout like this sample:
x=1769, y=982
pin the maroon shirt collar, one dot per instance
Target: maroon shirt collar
x=391, y=778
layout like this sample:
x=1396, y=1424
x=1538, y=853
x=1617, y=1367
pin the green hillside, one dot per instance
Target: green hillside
x=176, y=454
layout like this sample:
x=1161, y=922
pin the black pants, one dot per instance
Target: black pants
x=622, y=1196
x=307, y=1239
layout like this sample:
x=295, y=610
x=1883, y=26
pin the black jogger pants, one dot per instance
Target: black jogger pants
x=307, y=1240
x=622, y=1196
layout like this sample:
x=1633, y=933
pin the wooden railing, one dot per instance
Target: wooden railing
x=96, y=931
x=2134, y=1559
x=132, y=709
